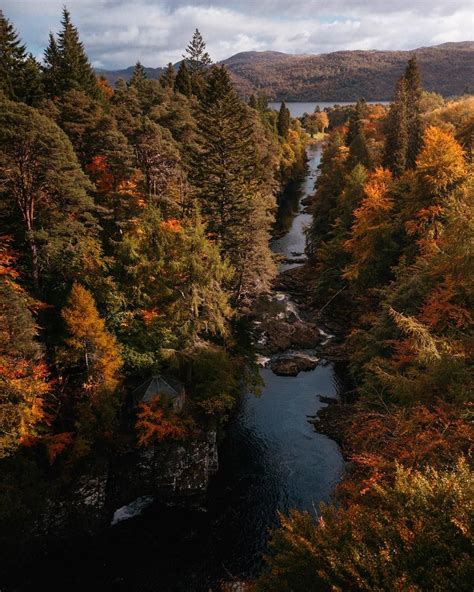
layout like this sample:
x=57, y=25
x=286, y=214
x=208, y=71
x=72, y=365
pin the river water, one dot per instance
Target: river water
x=271, y=460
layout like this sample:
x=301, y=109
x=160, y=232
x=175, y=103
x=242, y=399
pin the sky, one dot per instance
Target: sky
x=118, y=33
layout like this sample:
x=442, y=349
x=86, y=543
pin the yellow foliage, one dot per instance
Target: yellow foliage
x=441, y=160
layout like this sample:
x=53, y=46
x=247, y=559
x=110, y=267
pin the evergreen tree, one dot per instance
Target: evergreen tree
x=182, y=82
x=168, y=77
x=138, y=78
x=196, y=57
x=197, y=61
x=414, y=122
x=52, y=69
x=283, y=122
x=66, y=63
x=44, y=197
x=396, y=132
x=227, y=183
x=20, y=74
x=356, y=140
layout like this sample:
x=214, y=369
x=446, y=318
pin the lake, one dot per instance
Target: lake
x=299, y=109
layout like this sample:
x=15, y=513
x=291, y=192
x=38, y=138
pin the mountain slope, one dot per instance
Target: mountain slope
x=343, y=75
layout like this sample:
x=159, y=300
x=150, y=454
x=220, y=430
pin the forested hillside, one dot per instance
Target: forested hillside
x=391, y=263
x=135, y=227
x=344, y=75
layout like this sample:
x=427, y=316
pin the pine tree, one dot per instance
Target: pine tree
x=231, y=192
x=44, y=196
x=52, y=69
x=197, y=61
x=283, y=122
x=196, y=57
x=66, y=64
x=356, y=140
x=20, y=74
x=182, y=83
x=414, y=122
x=138, y=78
x=396, y=132
x=168, y=77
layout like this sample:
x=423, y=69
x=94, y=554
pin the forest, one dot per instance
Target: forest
x=391, y=260
x=135, y=228
x=135, y=240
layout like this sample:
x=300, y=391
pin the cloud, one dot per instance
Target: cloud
x=117, y=33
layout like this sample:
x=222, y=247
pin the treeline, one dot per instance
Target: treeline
x=135, y=228
x=344, y=75
x=391, y=254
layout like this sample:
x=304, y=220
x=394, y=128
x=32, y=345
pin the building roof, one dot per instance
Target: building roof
x=156, y=385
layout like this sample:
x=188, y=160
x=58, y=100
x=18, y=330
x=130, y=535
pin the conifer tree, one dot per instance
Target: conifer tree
x=168, y=77
x=197, y=61
x=89, y=344
x=227, y=183
x=20, y=74
x=44, y=196
x=138, y=78
x=196, y=57
x=66, y=63
x=414, y=123
x=182, y=82
x=396, y=132
x=283, y=122
x=356, y=140
x=52, y=69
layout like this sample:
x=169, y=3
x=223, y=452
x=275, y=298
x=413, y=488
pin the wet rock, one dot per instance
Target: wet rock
x=294, y=364
x=282, y=335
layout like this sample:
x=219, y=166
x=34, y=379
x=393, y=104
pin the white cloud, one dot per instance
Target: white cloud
x=119, y=32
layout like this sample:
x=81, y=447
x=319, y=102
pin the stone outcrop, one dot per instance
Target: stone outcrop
x=293, y=364
x=178, y=473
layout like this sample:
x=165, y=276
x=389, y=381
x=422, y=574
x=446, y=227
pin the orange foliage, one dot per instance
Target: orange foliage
x=440, y=309
x=441, y=160
x=56, y=444
x=8, y=258
x=105, y=88
x=156, y=423
x=412, y=437
x=104, y=180
x=171, y=225
x=149, y=316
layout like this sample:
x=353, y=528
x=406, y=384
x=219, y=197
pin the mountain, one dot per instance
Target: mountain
x=343, y=75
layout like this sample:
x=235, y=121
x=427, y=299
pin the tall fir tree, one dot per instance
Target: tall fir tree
x=138, y=78
x=355, y=139
x=182, y=81
x=283, y=122
x=197, y=61
x=168, y=77
x=20, y=74
x=396, y=132
x=66, y=64
x=227, y=184
x=414, y=123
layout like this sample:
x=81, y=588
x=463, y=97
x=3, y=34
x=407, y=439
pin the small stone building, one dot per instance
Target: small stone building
x=158, y=385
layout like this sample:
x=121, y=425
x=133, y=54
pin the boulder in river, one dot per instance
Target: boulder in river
x=293, y=364
x=281, y=335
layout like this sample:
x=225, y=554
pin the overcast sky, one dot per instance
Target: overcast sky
x=117, y=33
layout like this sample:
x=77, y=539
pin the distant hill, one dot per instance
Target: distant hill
x=447, y=69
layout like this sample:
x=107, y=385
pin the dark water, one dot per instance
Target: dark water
x=298, y=109
x=270, y=460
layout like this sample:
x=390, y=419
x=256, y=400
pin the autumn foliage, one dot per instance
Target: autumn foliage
x=156, y=422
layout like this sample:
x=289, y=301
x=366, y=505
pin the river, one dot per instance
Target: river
x=270, y=460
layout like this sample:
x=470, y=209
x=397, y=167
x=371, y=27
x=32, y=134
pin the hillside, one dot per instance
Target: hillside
x=343, y=75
